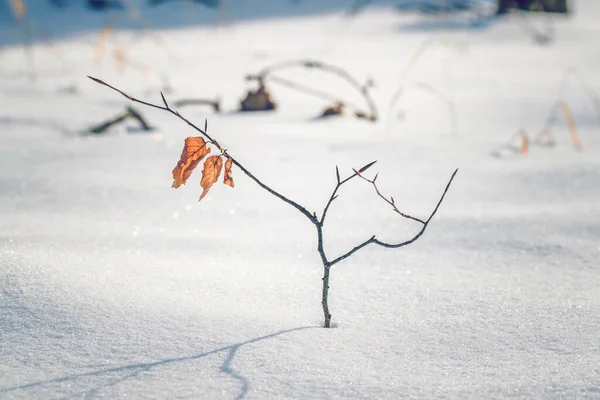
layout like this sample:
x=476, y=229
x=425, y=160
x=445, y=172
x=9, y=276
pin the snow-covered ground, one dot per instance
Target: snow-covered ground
x=112, y=284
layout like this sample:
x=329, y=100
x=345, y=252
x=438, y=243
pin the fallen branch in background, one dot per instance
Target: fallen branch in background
x=258, y=100
x=128, y=113
x=332, y=110
x=196, y=148
x=543, y=139
x=269, y=104
x=214, y=104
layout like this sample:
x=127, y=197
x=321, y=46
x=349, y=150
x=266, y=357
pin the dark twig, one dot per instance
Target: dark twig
x=391, y=200
x=312, y=217
x=424, y=226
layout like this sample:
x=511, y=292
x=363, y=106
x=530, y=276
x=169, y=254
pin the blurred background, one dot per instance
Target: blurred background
x=113, y=283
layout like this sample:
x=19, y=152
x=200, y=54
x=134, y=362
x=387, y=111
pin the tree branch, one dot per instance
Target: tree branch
x=391, y=201
x=297, y=206
x=425, y=223
x=339, y=184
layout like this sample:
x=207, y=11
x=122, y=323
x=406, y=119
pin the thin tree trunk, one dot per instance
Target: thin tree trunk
x=325, y=293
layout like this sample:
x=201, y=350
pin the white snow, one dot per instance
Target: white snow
x=112, y=284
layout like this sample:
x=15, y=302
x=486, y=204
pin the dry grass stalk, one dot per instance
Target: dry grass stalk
x=569, y=75
x=522, y=148
x=423, y=49
x=121, y=53
x=101, y=41
x=571, y=124
x=20, y=12
x=435, y=92
x=18, y=9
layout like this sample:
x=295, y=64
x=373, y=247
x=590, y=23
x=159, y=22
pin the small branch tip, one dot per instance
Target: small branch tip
x=366, y=167
x=96, y=80
x=163, y=99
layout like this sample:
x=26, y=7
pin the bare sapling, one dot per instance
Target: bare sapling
x=196, y=148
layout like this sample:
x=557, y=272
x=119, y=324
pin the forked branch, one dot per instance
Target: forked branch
x=424, y=224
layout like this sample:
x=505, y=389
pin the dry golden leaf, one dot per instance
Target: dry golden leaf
x=210, y=173
x=194, y=150
x=227, y=178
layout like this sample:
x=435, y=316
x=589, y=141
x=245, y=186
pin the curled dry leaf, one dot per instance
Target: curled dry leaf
x=210, y=173
x=227, y=178
x=193, y=152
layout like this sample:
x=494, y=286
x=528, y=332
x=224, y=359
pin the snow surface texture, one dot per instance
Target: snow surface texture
x=112, y=284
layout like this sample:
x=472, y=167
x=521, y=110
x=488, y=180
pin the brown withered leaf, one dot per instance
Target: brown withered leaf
x=194, y=150
x=210, y=173
x=227, y=178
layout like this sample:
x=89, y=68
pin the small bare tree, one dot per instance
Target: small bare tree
x=196, y=148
